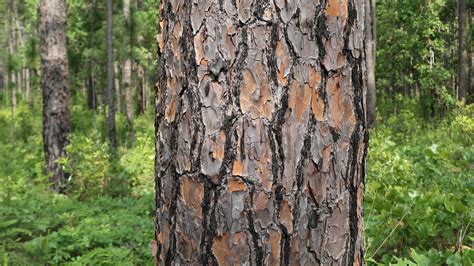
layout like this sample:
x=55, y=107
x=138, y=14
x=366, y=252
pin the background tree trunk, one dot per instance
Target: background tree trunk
x=127, y=66
x=261, y=132
x=91, y=93
x=371, y=35
x=110, y=79
x=54, y=84
x=118, y=95
x=12, y=52
x=471, y=92
x=140, y=90
x=463, y=69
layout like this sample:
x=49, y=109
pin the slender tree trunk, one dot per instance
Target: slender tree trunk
x=18, y=43
x=30, y=92
x=463, y=68
x=127, y=67
x=2, y=77
x=54, y=84
x=110, y=79
x=260, y=140
x=12, y=51
x=471, y=92
x=118, y=95
x=91, y=95
x=371, y=35
x=140, y=90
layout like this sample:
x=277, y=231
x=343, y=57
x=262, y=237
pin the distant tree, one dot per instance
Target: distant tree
x=110, y=78
x=54, y=84
x=261, y=134
x=127, y=66
x=463, y=67
x=370, y=29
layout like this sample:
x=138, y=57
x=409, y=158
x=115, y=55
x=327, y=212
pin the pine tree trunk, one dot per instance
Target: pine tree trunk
x=110, y=79
x=91, y=95
x=370, y=27
x=261, y=132
x=54, y=84
x=463, y=68
x=118, y=102
x=12, y=48
x=471, y=91
x=140, y=90
x=127, y=67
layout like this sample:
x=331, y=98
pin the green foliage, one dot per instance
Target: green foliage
x=106, y=216
x=421, y=187
x=416, y=51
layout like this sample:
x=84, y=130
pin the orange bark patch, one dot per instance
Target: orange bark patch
x=314, y=78
x=237, y=168
x=255, y=95
x=161, y=43
x=218, y=153
x=299, y=97
x=265, y=174
x=171, y=107
x=274, y=257
x=286, y=217
x=337, y=8
x=335, y=102
x=228, y=248
x=317, y=102
x=199, y=49
x=192, y=193
x=236, y=186
x=178, y=30
x=260, y=201
x=283, y=60
x=317, y=105
x=326, y=158
x=349, y=116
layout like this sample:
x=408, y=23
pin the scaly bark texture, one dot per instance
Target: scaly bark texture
x=54, y=84
x=261, y=133
x=463, y=68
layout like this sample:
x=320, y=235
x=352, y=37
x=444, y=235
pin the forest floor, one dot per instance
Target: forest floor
x=418, y=207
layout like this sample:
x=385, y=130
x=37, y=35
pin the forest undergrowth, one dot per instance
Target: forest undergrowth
x=418, y=205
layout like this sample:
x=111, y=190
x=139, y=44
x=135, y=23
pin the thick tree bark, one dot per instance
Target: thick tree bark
x=54, y=84
x=261, y=132
x=371, y=35
x=463, y=68
x=110, y=79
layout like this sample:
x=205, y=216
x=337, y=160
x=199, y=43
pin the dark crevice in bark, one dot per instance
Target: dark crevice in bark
x=237, y=77
x=304, y=156
x=229, y=152
x=320, y=30
x=253, y=232
x=188, y=49
x=285, y=246
x=209, y=188
x=208, y=256
x=356, y=77
x=271, y=55
x=260, y=8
